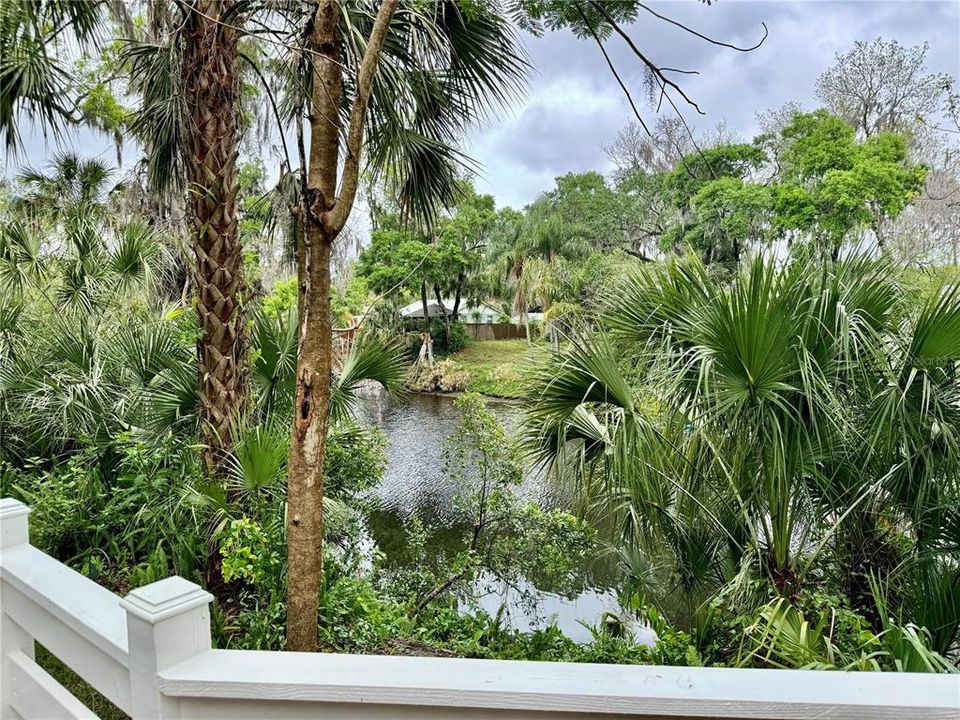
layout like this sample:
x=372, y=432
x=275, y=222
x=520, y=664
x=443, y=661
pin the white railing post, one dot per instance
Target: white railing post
x=14, y=531
x=167, y=622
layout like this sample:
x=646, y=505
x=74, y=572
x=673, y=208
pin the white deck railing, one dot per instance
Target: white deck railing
x=149, y=653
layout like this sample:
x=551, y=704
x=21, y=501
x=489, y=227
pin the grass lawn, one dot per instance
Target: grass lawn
x=500, y=368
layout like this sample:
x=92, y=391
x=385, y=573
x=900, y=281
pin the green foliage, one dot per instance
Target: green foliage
x=721, y=211
x=510, y=538
x=736, y=160
x=33, y=70
x=730, y=214
x=782, y=636
x=448, y=338
x=354, y=461
x=350, y=300
x=587, y=207
x=757, y=488
x=834, y=185
x=108, y=523
x=247, y=552
x=402, y=264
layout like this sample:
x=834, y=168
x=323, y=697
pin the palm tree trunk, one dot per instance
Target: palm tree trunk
x=211, y=90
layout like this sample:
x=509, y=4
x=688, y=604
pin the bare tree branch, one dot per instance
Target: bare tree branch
x=613, y=69
x=710, y=40
x=653, y=67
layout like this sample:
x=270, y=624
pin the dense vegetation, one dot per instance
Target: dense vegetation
x=740, y=354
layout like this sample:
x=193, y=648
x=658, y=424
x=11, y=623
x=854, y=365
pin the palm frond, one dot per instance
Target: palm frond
x=371, y=359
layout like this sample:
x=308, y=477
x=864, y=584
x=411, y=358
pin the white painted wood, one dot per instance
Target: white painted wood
x=13, y=523
x=204, y=709
x=105, y=672
x=14, y=531
x=92, y=611
x=559, y=687
x=73, y=617
x=167, y=622
x=37, y=695
x=171, y=672
x=13, y=639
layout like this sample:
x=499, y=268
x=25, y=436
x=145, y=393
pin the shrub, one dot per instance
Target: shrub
x=448, y=338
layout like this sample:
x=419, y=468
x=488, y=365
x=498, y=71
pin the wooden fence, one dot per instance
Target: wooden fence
x=495, y=331
x=150, y=654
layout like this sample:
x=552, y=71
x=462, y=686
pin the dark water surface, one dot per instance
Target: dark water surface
x=414, y=485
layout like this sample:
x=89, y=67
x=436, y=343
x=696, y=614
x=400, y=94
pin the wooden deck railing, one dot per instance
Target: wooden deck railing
x=150, y=654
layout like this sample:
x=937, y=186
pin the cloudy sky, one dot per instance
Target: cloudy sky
x=573, y=104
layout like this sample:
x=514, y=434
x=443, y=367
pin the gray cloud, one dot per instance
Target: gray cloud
x=522, y=154
x=574, y=105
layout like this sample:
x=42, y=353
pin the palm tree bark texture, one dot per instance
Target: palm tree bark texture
x=325, y=210
x=211, y=89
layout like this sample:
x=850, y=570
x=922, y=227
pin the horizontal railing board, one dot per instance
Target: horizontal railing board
x=207, y=708
x=560, y=687
x=91, y=610
x=35, y=694
x=87, y=659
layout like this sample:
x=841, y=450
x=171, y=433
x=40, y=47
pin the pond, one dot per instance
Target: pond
x=414, y=485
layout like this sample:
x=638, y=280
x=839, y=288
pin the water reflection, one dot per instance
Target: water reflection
x=414, y=484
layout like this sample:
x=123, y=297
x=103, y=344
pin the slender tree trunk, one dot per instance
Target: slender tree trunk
x=314, y=340
x=426, y=308
x=456, y=297
x=325, y=210
x=443, y=309
x=307, y=446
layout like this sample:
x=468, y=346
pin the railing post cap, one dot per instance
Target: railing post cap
x=165, y=598
x=10, y=508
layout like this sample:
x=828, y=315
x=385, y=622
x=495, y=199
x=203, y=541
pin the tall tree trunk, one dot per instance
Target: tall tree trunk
x=426, y=307
x=211, y=92
x=307, y=446
x=324, y=212
x=443, y=309
x=456, y=298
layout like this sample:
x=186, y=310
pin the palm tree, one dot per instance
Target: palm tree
x=84, y=289
x=189, y=123
x=34, y=78
x=528, y=251
x=508, y=258
x=190, y=126
x=73, y=185
x=747, y=427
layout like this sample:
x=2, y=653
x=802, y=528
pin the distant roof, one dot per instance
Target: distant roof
x=480, y=309
x=415, y=309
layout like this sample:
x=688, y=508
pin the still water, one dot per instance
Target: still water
x=415, y=485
